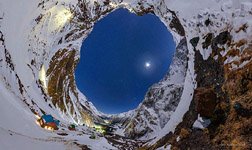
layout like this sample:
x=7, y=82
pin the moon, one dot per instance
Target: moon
x=147, y=65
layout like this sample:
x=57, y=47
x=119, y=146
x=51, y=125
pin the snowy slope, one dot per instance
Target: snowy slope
x=23, y=92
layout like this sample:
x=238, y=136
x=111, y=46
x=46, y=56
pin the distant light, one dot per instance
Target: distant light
x=37, y=116
x=42, y=77
x=63, y=16
x=37, y=123
x=147, y=65
x=113, y=5
x=59, y=17
x=49, y=128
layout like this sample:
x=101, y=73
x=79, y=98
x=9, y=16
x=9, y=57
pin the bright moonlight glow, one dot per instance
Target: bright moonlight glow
x=147, y=65
x=63, y=16
x=59, y=17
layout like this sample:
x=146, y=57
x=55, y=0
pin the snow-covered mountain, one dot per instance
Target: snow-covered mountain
x=210, y=75
x=161, y=99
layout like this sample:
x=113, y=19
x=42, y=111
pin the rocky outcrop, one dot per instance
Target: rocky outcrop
x=205, y=99
x=60, y=73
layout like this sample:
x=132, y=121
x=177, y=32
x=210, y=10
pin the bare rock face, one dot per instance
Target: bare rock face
x=60, y=71
x=205, y=100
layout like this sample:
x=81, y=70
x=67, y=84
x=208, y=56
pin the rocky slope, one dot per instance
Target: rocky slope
x=161, y=99
x=210, y=75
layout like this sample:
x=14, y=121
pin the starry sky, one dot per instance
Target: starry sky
x=122, y=57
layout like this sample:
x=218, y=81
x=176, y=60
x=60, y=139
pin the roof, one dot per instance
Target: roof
x=48, y=118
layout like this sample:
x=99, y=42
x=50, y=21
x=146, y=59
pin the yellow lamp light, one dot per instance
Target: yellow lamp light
x=42, y=77
x=62, y=17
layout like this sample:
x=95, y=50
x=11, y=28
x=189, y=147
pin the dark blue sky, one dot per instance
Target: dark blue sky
x=122, y=57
